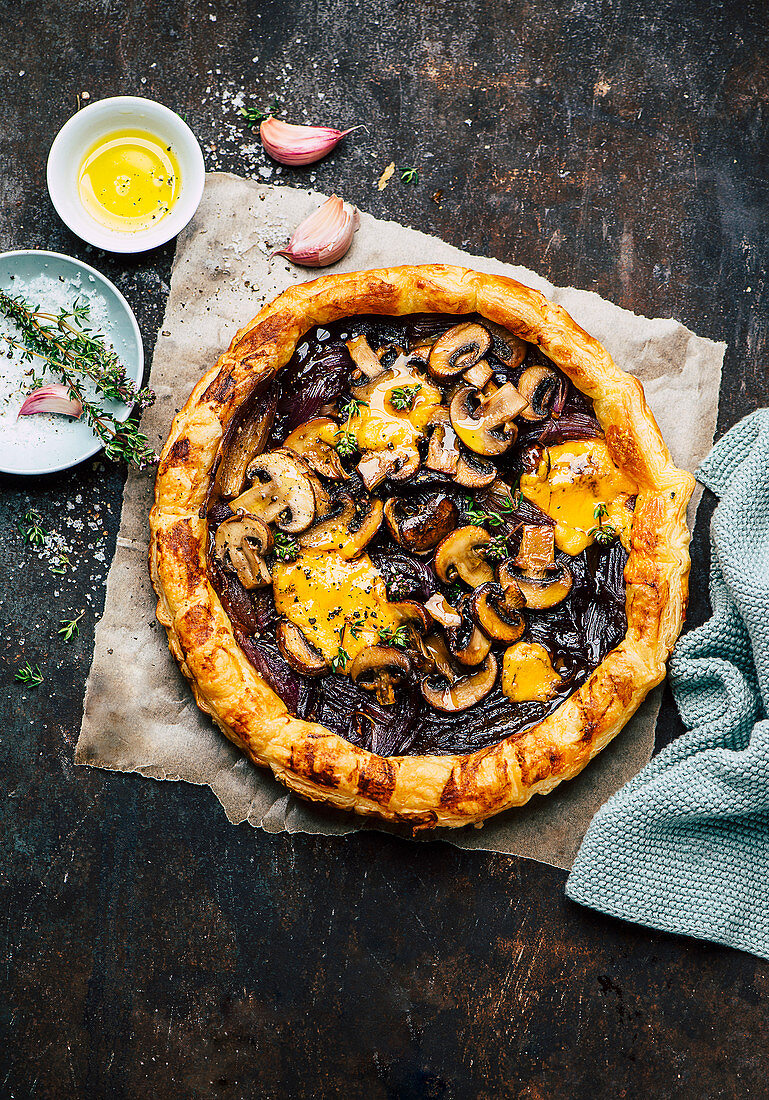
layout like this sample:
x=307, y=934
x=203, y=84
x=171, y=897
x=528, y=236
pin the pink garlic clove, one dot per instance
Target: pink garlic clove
x=293, y=145
x=51, y=399
x=324, y=237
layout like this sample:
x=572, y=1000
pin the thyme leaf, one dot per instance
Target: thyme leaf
x=29, y=674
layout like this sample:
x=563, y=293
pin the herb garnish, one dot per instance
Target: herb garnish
x=398, y=637
x=345, y=442
x=74, y=352
x=409, y=175
x=29, y=674
x=352, y=407
x=494, y=518
x=497, y=549
x=284, y=547
x=254, y=115
x=31, y=528
x=403, y=397
x=70, y=629
x=340, y=661
x=603, y=533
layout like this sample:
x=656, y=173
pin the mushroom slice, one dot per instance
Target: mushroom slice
x=464, y=692
x=300, y=654
x=538, y=385
x=540, y=580
x=414, y=615
x=459, y=348
x=474, y=472
x=380, y=668
x=281, y=492
x=443, y=449
x=399, y=465
x=436, y=657
x=507, y=347
x=241, y=545
x=460, y=555
x=419, y=525
x=467, y=641
x=366, y=361
x=478, y=375
x=442, y=611
x=484, y=422
x=347, y=527
x=493, y=616
x=314, y=442
x=244, y=437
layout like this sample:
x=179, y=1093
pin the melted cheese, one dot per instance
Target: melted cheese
x=379, y=426
x=570, y=483
x=527, y=673
x=334, y=602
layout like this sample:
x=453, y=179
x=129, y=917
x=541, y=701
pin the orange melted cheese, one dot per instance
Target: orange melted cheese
x=570, y=484
x=335, y=603
x=527, y=673
x=379, y=426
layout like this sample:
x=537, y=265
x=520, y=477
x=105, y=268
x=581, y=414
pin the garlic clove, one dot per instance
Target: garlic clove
x=324, y=237
x=51, y=399
x=293, y=145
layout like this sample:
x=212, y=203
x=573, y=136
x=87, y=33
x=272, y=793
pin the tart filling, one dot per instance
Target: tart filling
x=419, y=534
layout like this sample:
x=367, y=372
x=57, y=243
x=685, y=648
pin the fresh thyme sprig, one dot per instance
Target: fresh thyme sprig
x=352, y=407
x=60, y=564
x=252, y=116
x=497, y=549
x=29, y=674
x=603, y=533
x=345, y=442
x=403, y=397
x=69, y=628
x=398, y=637
x=73, y=352
x=493, y=517
x=284, y=547
x=31, y=528
x=340, y=661
x=409, y=175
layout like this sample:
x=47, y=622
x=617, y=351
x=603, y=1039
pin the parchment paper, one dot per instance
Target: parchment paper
x=139, y=713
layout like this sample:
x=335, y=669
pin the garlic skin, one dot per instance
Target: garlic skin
x=324, y=237
x=293, y=145
x=51, y=399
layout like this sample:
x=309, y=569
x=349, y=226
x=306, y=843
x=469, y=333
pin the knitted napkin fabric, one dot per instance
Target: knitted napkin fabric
x=684, y=846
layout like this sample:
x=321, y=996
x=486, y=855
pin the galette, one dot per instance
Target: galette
x=418, y=544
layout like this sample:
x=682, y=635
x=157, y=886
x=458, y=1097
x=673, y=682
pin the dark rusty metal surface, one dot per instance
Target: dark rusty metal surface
x=149, y=947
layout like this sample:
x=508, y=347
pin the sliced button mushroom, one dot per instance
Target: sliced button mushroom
x=484, y=421
x=459, y=348
x=281, y=492
x=300, y=654
x=501, y=623
x=436, y=658
x=414, y=615
x=347, y=527
x=367, y=362
x=539, y=387
x=443, y=448
x=314, y=442
x=244, y=438
x=442, y=611
x=460, y=556
x=540, y=581
x=464, y=692
x=380, y=668
x=507, y=347
x=467, y=641
x=474, y=472
x=419, y=525
x=241, y=545
x=398, y=465
x=478, y=375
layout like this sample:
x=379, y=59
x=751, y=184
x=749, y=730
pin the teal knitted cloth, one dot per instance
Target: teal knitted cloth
x=684, y=846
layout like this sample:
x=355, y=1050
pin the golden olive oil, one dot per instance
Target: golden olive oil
x=129, y=180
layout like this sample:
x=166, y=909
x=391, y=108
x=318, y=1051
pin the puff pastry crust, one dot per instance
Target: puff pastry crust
x=422, y=791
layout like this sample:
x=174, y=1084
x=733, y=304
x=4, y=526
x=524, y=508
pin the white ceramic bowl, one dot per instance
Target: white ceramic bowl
x=97, y=120
x=45, y=443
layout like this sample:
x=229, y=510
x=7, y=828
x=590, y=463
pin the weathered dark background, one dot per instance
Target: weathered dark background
x=151, y=949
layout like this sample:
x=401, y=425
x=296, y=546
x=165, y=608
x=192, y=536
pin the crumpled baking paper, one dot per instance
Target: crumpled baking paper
x=139, y=712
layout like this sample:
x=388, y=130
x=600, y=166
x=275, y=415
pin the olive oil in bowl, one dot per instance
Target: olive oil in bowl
x=129, y=180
